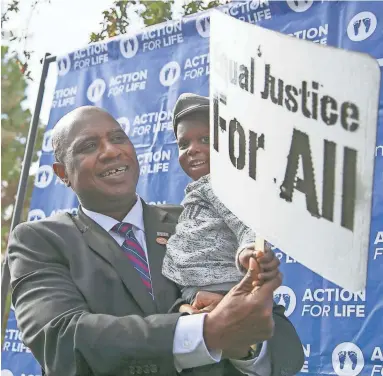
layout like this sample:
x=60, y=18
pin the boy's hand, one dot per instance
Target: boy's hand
x=204, y=301
x=267, y=264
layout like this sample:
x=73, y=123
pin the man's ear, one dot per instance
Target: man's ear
x=59, y=170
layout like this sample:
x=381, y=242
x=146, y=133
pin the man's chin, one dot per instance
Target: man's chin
x=120, y=194
x=115, y=192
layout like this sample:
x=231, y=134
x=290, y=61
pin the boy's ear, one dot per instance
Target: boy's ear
x=59, y=170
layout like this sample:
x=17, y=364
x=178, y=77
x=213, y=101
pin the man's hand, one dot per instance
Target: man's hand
x=267, y=262
x=244, y=316
x=204, y=301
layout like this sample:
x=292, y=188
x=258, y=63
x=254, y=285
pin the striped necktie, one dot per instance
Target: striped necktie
x=133, y=250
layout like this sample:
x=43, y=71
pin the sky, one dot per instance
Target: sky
x=59, y=27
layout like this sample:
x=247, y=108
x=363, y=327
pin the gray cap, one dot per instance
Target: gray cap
x=188, y=103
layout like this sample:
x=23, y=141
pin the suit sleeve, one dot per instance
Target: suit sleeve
x=64, y=336
x=285, y=347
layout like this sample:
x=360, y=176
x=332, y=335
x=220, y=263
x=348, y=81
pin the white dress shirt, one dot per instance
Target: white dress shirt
x=189, y=347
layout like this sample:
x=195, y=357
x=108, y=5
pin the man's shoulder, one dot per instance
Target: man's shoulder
x=57, y=223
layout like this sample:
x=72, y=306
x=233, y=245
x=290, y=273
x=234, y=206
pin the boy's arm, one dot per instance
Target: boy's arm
x=245, y=236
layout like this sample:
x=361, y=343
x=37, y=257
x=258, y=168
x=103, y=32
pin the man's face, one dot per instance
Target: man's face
x=100, y=161
x=193, y=146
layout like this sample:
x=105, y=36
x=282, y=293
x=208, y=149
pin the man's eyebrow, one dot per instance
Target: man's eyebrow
x=82, y=139
x=117, y=130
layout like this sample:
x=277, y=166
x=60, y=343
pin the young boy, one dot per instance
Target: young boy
x=205, y=253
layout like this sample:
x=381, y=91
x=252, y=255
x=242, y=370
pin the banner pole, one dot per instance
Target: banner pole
x=22, y=187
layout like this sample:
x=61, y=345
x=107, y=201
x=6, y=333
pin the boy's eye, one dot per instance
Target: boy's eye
x=205, y=140
x=182, y=144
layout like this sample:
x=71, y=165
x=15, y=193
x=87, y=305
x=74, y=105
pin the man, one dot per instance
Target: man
x=88, y=291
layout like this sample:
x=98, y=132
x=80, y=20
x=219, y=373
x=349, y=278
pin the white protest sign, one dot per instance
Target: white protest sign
x=293, y=130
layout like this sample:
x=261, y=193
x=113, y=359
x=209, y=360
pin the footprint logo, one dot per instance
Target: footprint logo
x=170, y=73
x=63, y=65
x=347, y=359
x=129, y=46
x=203, y=26
x=287, y=299
x=125, y=124
x=44, y=176
x=357, y=26
x=285, y=296
x=47, y=146
x=361, y=26
x=96, y=90
x=36, y=215
x=299, y=6
x=342, y=358
x=354, y=359
x=367, y=24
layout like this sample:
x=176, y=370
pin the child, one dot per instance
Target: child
x=204, y=253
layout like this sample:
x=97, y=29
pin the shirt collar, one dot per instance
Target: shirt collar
x=135, y=217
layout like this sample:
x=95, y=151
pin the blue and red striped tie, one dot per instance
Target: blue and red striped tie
x=133, y=250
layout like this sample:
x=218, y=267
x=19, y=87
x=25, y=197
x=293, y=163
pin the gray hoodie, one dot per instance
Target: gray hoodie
x=203, y=250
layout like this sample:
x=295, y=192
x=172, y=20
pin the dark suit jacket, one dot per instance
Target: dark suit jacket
x=83, y=310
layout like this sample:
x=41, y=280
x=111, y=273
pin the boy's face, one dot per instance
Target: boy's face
x=193, y=145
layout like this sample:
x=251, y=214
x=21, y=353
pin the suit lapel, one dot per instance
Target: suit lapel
x=106, y=247
x=165, y=291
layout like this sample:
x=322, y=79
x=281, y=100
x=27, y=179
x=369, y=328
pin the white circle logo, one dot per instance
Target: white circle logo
x=285, y=296
x=6, y=372
x=254, y=4
x=125, y=124
x=129, y=47
x=96, y=90
x=347, y=359
x=203, y=26
x=44, y=176
x=63, y=65
x=170, y=73
x=299, y=6
x=361, y=26
x=47, y=142
x=36, y=215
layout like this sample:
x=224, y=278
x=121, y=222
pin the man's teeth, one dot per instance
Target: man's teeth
x=112, y=172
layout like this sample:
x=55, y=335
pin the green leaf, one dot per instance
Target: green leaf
x=116, y=20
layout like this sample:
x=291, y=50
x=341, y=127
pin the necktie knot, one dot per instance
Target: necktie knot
x=122, y=228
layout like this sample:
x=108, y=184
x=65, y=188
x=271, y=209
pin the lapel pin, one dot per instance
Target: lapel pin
x=162, y=237
x=161, y=240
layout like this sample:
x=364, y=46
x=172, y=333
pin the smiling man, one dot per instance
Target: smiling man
x=88, y=291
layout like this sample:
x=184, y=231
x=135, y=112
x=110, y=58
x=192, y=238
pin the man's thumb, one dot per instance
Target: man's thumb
x=246, y=283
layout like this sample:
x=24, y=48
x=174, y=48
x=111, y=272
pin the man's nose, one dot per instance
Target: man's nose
x=108, y=151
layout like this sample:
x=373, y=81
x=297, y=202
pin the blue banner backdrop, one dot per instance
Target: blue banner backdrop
x=138, y=78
